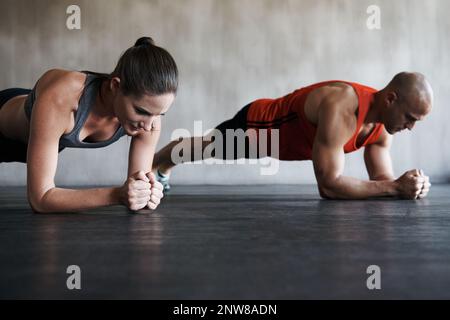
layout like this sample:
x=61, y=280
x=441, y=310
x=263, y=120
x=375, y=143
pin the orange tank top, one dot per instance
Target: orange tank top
x=296, y=133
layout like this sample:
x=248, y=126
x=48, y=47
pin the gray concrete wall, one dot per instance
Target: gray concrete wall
x=230, y=52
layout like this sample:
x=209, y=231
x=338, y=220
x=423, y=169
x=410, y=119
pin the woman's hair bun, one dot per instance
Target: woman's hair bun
x=144, y=41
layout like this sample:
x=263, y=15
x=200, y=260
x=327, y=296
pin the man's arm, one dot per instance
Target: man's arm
x=378, y=159
x=335, y=127
x=379, y=166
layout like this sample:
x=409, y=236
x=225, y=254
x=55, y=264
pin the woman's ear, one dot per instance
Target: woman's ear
x=114, y=85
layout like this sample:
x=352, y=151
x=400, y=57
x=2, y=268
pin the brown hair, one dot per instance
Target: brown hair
x=146, y=68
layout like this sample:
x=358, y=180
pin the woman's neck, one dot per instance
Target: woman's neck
x=105, y=100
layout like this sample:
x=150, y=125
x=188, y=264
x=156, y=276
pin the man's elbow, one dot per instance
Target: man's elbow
x=327, y=189
x=327, y=194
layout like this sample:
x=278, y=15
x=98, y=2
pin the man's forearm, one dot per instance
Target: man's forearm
x=383, y=177
x=72, y=200
x=352, y=188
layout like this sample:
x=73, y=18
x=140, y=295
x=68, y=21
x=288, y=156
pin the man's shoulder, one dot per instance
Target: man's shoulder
x=333, y=100
x=339, y=97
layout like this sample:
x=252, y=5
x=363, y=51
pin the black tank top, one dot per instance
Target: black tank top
x=87, y=99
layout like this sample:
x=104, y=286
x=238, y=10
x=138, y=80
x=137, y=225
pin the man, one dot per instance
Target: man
x=324, y=121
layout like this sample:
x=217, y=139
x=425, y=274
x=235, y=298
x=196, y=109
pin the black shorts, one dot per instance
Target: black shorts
x=239, y=121
x=12, y=150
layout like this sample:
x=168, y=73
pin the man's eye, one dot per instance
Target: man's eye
x=138, y=111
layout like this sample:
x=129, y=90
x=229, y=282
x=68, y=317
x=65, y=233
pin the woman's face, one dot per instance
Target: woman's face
x=138, y=114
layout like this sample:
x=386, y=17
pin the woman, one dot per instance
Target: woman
x=91, y=110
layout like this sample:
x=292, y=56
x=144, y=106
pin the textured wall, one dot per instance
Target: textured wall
x=230, y=52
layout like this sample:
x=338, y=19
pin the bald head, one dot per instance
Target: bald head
x=414, y=90
x=408, y=98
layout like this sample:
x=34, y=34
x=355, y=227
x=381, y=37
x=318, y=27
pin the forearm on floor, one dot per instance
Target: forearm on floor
x=383, y=177
x=73, y=200
x=352, y=188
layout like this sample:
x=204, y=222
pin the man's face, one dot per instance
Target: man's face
x=402, y=114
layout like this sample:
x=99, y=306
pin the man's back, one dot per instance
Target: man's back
x=296, y=116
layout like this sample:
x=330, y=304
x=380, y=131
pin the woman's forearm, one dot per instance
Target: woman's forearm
x=73, y=200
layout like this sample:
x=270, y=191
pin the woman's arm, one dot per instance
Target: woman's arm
x=140, y=159
x=142, y=149
x=57, y=92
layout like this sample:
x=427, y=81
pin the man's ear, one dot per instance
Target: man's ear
x=391, y=97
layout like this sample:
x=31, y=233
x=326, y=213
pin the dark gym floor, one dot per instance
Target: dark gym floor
x=230, y=242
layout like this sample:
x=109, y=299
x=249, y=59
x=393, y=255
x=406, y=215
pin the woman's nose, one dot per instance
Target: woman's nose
x=147, y=125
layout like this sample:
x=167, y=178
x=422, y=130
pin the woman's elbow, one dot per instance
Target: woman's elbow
x=36, y=205
x=37, y=202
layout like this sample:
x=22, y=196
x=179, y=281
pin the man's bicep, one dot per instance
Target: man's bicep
x=328, y=162
x=333, y=131
x=378, y=162
x=377, y=158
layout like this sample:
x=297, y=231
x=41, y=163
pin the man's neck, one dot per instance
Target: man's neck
x=373, y=115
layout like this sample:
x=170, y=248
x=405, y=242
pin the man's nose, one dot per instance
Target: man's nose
x=410, y=125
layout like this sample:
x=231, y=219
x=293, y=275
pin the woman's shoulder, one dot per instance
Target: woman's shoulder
x=57, y=94
x=61, y=79
x=61, y=86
